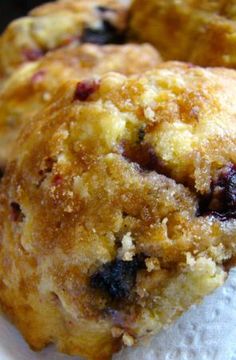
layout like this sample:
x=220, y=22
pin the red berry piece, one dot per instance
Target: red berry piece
x=106, y=34
x=85, y=88
x=58, y=179
x=117, y=278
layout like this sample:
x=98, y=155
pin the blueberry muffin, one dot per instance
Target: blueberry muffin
x=59, y=24
x=202, y=32
x=32, y=86
x=118, y=208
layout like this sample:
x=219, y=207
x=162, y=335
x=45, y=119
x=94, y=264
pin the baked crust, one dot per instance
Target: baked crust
x=201, y=32
x=103, y=239
x=32, y=87
x=60, y=24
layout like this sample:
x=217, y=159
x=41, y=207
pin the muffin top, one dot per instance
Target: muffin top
x=118, y=207
x=30, y=88
x=59, y=24
x=201, y=32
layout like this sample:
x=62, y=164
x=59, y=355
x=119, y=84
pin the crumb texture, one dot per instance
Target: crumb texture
x=201, y=32
x=103, y=237
x=60, y=24
x=31, y=87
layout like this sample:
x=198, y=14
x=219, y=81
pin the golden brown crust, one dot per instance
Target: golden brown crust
x=59, y=24
x=201, y=32
x=87, y=186
x=32, y=87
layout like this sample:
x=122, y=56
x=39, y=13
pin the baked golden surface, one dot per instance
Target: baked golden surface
x=118, y=207
x=202, y=32
x=59, y=24
x=31, y=87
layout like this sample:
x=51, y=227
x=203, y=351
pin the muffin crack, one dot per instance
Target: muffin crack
x=143, y=154
x=220, y=202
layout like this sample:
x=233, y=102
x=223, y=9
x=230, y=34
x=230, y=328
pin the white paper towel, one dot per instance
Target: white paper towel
x=205, y=332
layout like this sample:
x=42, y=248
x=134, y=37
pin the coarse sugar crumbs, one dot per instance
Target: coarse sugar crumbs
x=64, y=133
x=127, y=251
x=149, y=114
x=219, y=253
x=127, y=339
x=116, y=332
x=190, y=259
x=68, y=209
x=70, y=194
x=142, y=294
x=62, y=159
x=152, y=264
x=80, y=187
x=47, y=96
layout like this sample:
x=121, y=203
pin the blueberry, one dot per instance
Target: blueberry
x=230, y=194
x=221, y=201
x=117, y=278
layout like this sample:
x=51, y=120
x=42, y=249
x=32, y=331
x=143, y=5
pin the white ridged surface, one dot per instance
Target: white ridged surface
x=206, y=332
